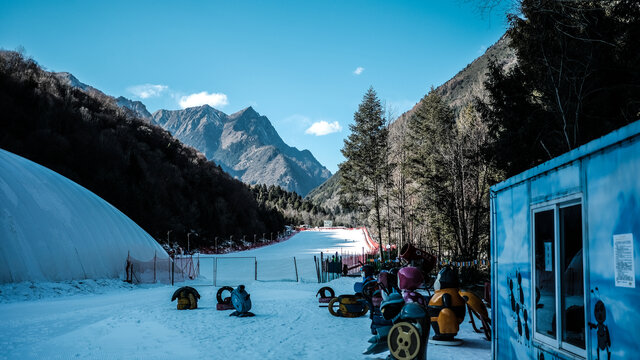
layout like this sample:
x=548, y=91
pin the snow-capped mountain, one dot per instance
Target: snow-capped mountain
x=246, y=145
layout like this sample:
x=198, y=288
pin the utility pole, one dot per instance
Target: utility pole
x=188, y=242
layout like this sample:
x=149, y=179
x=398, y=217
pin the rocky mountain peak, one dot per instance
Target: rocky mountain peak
x=246, y=145
x=139, y=109
x=247, y=112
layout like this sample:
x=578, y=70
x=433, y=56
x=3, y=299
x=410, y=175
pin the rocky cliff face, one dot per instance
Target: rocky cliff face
x=246, y=145
x=467, y=84
x=137, y=107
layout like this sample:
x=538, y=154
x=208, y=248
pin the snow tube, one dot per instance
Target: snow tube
x=226, y=300
x=350, y=306
x=323, y=292
x=187, y=298
x=324, y=297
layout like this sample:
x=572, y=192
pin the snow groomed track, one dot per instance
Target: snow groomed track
x=141, y=323
x=276, y=262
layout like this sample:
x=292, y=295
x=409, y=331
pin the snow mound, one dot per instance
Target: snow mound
x=52, y=229
x=32, y=291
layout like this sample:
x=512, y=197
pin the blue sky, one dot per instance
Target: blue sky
x=305, y=65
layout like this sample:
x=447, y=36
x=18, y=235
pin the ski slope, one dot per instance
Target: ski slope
x=276, y=262
x=112, y=320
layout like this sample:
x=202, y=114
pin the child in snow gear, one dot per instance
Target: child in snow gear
x=241, y=301
x=187, y=298
x=224, y=303
x=348, y=306
x=446, y=307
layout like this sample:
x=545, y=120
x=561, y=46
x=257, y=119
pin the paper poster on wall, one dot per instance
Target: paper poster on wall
x=623, y=260
x=548, y=256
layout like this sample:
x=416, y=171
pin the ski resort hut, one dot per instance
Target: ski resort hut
x=565, y=245
x=52, y=229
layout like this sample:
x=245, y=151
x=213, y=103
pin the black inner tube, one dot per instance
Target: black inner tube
x=323, y=292
x=226, y=300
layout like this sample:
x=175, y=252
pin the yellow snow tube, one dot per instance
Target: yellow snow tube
x=350, y=306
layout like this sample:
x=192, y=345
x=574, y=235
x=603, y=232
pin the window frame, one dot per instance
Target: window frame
x=556, y=205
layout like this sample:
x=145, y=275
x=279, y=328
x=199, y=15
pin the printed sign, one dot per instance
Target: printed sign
x=623, y=260
x=548, y=256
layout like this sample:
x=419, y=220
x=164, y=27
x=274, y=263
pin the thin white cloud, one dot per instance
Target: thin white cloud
x=358, y=70
x=146, y=91
x=320, y=128
x=202, y=98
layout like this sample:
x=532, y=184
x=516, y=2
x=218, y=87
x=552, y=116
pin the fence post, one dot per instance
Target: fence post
x=215, y=271
x=173, y=270
x=256, y=268
x=295, y=264
x=322, y=266
x=126, y=268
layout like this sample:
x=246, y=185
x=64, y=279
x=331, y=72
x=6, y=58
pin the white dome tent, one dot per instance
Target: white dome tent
x=52, y=229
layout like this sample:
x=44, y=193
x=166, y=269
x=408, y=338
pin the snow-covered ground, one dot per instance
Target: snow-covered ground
x=276, y=262
x=108, y=320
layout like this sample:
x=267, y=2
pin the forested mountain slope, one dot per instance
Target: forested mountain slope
x=139, y=168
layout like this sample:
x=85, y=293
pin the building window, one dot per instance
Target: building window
x=545, y=274
x=572, y=282
x=559, y=276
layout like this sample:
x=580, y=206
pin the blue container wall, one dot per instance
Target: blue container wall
x=512, y=297
x=609, y=184
x=613, y=207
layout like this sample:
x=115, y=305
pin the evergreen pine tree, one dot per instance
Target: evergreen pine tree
x=363, y=172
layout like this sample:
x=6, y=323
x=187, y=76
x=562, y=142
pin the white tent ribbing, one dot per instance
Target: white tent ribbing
x=52, y=229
